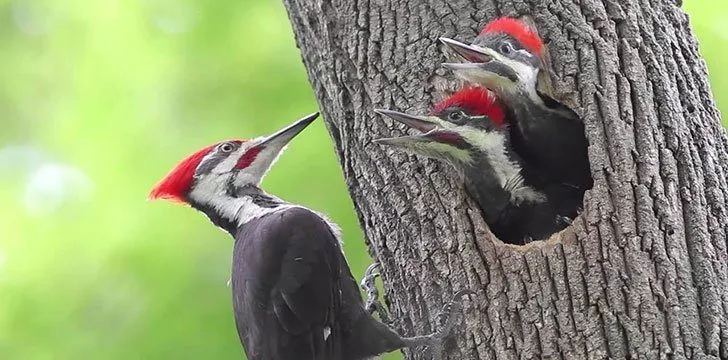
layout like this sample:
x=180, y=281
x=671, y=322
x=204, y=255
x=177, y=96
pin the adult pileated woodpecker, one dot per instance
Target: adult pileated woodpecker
x=294, y=296
x=507, y=57
x=468, y=131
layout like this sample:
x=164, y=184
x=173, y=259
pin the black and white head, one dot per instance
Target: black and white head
x=505, y=57
x=215, y=176
x=461, y=128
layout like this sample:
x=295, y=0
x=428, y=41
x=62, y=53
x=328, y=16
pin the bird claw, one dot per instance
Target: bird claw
x=446, y=318
x=372, y=304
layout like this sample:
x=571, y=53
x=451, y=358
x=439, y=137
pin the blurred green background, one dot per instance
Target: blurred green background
x=99, y=100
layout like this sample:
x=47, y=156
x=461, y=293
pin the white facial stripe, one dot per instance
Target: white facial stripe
x=250, y=211
x=527, y=77
x=444, y=124
x=229, y=163
x=208, y=186
x=212, y=190
x=438, y=150
x=497, y=83
x=492, y=144
x=525, y=52
x=526, y=74
x=242, y=210
x=506, y=171
x=450, y=151
x=255, y=172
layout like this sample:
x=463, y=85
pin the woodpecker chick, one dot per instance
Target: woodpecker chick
x=294, y=297
x=507, y=57
x=468, y=131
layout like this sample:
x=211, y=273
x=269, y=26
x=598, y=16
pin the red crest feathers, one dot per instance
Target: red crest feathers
x=177, y=183
x=476, y=101
x=518, y=30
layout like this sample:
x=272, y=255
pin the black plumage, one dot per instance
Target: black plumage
x=294, y=296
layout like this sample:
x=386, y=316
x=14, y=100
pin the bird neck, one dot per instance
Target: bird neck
x=526, y=102
x=497, y=179
x=235, y=208
x=485, y=181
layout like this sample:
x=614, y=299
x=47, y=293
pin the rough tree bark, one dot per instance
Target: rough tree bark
x=642, y=273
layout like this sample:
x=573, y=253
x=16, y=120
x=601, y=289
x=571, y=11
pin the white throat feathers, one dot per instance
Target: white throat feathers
x=249, y=204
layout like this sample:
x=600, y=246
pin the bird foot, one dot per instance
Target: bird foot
x=372, y=304
x=447, y=318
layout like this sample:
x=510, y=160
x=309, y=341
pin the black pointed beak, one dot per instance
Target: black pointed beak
x=421, y=123
x=484, y=66
x=493, y=74
x=434, y=130
x=254, y=162
x=283, y=136
x=433, y=143
x=468, y=52
x=425, y=124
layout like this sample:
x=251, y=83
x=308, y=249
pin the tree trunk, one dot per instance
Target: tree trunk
x=642, y=272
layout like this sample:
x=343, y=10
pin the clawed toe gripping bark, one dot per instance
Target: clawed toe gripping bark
x=447, y=315
x=372, y=304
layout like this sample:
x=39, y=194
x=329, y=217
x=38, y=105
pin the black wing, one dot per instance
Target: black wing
x=285, y=280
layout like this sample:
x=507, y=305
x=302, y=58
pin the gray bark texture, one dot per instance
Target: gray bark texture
x=643, y=271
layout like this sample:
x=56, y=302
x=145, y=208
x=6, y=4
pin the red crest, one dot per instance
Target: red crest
x=476, y=101
x=178, y=182
x=518, y=30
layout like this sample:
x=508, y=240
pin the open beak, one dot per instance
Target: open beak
x=421, y=123
x=283, y=136
x=428, y=125
x=484, y=66
x=474, y=54
x=434, y=130
x=494, y=75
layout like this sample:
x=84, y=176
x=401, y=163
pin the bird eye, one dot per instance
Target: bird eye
x=226, y=147
x=456, y=116
x=506, y=48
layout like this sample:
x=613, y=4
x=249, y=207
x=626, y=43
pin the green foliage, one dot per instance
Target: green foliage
x=100, y=100
x=708, y=21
